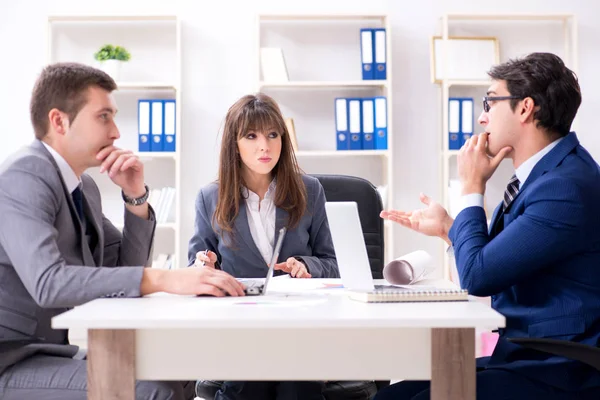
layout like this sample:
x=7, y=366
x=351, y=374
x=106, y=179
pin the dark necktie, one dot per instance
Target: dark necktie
x=78, y=200
x=512, y=189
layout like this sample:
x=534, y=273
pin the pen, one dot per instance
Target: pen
x=217, y=264
x=206, y=254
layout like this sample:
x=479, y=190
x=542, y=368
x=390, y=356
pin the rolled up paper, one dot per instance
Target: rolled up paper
x=409, y=268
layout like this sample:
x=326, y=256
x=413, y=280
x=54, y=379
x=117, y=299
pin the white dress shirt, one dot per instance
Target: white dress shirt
x=261, y=220
x=68, y=175
x=522, y=173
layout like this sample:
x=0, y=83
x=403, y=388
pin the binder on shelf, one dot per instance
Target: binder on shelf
x=381, y=130
x=466, y=119
x=454, y=114
x=368, y=124
x=156, y=125
x=143, y=125
x=366, y=53
x=170, y=134
x=380, y=67
x=341, y=124
x=354, y=124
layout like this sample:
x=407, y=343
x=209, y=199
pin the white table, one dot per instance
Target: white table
x=298, y=331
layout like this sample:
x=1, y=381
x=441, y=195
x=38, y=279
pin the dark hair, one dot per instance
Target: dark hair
x=63, y=86
x=552, y=86
x=257, y=113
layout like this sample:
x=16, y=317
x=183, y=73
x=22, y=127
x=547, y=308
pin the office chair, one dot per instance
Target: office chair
x=365, y=194
x=575, y=351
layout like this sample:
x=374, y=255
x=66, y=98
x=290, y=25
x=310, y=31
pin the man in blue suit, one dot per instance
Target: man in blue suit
x=540, y=259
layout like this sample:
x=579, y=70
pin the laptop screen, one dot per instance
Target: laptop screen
x=274, y=257
x=349, y=245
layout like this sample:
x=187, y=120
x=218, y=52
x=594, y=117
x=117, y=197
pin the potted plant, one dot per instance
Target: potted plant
x=111, y=57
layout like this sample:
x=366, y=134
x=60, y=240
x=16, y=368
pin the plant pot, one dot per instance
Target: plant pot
x=112, y=68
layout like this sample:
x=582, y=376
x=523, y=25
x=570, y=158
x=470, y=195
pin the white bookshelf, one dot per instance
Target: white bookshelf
x=324, y=84
x=322, y=57
x=154, y=72
x=342, y=154
x=556, y=33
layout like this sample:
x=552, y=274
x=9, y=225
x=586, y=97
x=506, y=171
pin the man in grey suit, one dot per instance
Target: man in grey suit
x=57, y=250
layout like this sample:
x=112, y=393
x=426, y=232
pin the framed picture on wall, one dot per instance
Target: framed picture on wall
x=465, y=57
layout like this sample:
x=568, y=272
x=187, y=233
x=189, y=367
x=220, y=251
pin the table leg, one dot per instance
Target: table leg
x=111, y=364
x=453, y=364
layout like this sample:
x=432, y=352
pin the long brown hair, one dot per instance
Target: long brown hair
x=257, y=113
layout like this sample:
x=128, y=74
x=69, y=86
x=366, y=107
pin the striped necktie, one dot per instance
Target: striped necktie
x=511, y=191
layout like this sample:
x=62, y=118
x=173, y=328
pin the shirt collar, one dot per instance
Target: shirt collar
x=68, y=175
x=253, y=197
x=525, y=169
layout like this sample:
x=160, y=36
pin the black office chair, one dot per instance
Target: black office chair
x=365, y=194
x=575, y=351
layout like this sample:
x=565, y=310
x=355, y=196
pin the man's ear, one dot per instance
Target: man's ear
x=527, y=109
x=59, y=121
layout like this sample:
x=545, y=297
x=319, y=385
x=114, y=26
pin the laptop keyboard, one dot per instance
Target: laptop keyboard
x=252, y=282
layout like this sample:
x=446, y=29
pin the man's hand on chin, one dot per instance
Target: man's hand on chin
x=475, y=166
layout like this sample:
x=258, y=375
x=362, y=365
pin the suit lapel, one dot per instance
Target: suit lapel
x=552, y=159
x=495, y=218
x=243, y=231
x=281, y=218
x=95, y=222
x=548, y=162
x=86, y=253
x=39, y=146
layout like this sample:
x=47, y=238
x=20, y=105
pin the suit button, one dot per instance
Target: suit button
x=121, y=294
x=113, y=295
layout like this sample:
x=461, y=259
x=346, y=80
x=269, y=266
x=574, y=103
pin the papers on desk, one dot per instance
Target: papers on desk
x=280, y=300
x=409, y=269
x=261, y=280
x=412, y=294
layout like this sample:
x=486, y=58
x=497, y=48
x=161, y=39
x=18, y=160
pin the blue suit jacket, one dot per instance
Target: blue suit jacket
x=310, y=240
x=542, y=269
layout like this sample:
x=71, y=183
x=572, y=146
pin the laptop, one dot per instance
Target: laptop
x=258, y=287
x=349, y=246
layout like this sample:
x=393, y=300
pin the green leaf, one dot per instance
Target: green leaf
x=110, y=52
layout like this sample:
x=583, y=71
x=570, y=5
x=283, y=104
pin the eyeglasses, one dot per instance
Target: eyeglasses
x=486, y=99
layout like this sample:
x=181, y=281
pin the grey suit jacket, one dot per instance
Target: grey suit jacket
x=310, y=240
x=46, y=264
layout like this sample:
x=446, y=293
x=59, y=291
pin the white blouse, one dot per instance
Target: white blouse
x=261, y=220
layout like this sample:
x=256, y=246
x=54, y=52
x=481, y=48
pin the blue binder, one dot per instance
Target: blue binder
x=454, y=132
x=366, y=53
x=466, y=119
x=143, y=125
x=381, y=126
x=169, y=139
x=380, y=56
x=354, y=124
x=368, y=124
x=341, y=124
x=156, y=125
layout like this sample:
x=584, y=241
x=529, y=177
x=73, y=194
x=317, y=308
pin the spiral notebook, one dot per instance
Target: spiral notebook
x=397, y=295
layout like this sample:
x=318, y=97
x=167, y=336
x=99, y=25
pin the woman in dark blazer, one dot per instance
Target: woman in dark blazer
x=259, y=190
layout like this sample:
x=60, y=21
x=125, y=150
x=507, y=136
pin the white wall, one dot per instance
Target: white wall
x=219, y=66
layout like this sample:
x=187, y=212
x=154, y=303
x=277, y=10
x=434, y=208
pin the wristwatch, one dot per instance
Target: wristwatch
x=136, y=201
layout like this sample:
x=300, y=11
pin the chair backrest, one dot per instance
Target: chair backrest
x=366, y=196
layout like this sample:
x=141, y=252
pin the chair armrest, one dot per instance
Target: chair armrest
x=575, y=351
